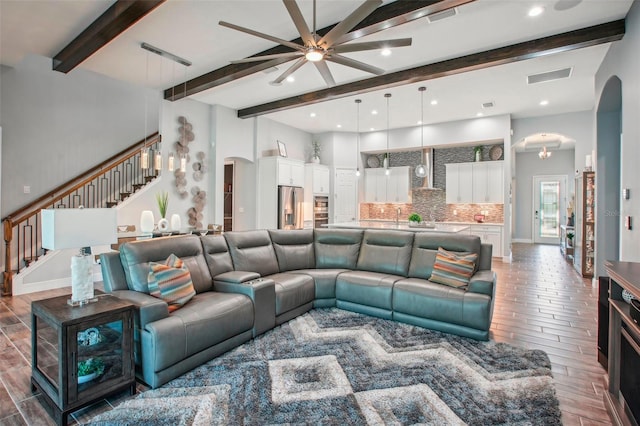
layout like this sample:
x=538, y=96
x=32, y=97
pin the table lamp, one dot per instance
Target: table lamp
x=78, y=228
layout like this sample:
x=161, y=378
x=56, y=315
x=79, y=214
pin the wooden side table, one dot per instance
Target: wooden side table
x=65, y=339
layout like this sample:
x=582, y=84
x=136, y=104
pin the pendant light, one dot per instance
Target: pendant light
x=358, y=102
x=144, y=152
x=421, y=169
x=387, y=170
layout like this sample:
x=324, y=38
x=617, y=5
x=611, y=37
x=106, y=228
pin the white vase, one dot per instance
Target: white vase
x=385, y=162
x=315, y=160
x=146, y=222
x=176, y=223
x=163, y=225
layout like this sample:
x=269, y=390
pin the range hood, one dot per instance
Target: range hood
x=427, y=181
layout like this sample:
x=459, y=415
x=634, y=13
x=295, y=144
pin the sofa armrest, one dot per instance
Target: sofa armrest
x=149, y=308
x=236, y=277
x=482, y=282
x=262, y=292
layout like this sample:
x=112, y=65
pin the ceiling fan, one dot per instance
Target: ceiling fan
x=318, y=50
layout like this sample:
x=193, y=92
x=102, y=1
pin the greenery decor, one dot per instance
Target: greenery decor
x=415, y=217
x=163, y=201
x=570, y=236
x=315, y=145
x=90, y=366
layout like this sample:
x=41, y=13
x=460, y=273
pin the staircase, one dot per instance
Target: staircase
x=103, y=186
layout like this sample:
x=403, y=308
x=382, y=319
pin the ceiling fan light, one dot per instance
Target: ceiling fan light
x=314, y=55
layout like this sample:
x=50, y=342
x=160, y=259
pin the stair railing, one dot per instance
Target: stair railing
x=102, y=186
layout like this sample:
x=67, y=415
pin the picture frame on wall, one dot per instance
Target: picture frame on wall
x=282, y=149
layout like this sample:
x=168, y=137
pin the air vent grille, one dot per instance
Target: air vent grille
x=549, y=76
x=438, y=16
x=489, y=104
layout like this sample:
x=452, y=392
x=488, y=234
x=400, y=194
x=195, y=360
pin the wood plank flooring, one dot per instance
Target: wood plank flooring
x=541, y=303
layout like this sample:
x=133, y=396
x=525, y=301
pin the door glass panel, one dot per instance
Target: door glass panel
x=47, y=351
x=100, y=356
x=549, y=209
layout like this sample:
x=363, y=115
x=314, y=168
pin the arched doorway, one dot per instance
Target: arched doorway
x=608, y=190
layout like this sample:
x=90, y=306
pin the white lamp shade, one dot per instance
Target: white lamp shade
x=147, y=222
x=76, y=228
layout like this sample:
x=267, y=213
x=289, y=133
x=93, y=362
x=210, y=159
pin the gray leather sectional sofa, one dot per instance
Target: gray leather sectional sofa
x=248, y=282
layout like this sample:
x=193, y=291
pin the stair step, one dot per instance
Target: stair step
x=124, y=195
x=137, y=186
x=148, y=179
x=111, y=204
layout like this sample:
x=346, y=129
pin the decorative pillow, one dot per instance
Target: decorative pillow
x=453, y=268
x=171, y=282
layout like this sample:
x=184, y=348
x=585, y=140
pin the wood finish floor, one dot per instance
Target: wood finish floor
x=541, y=303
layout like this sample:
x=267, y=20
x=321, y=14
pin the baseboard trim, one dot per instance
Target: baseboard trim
x=522, y=240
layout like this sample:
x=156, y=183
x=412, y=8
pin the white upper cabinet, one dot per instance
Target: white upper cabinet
x=318, y=179
x=382, y=188
x=478, y=182
x=290, y=172
x=459, y=188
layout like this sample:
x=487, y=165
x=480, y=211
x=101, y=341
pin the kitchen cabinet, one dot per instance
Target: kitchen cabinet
x=274, y=172
x=458, y=180
x=317, y=179
x=488, y=177
x=393, y=188
x=477, y=182
x=489, y=234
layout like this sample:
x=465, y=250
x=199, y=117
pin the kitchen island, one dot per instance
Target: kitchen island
x=401, y=226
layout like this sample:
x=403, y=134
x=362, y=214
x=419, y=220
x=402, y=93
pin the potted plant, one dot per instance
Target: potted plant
x=163, y=201
x=477, y=152
x=570, y=238
x=89, y=369
x=316, y=147
x=415, y=219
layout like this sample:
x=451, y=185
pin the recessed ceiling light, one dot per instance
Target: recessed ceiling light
x=313, y=114
x=434, y=102
x=479, y=114
x=374, y=112
x=544, y=102
x=535, y=11
x=291, y=79
x=372, y=129
x=385, y=52
x=419, y=121
x=339, y=126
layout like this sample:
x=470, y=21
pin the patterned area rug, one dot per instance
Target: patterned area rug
x=331, y=366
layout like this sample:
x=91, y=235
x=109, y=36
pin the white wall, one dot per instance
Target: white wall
x=268, y=132
x=623, y=61
x=57, y=125
x=528, y=165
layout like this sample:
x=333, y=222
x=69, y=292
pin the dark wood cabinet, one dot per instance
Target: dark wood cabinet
x=81, y=353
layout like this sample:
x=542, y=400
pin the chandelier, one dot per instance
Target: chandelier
x=544, y=154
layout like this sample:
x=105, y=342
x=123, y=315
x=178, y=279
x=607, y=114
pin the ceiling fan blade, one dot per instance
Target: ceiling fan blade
x=300, y=23
x=300, y=62
x=323, y=68
x=261, y=35
x=349, y=22
x=291, y=55
x=343, y=60
x=371, y=45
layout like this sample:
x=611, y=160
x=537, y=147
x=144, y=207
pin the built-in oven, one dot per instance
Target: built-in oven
x=320, y=211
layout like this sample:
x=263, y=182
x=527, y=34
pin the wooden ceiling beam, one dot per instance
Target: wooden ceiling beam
x=585, y=37
x=114, y=21
x=386, y=16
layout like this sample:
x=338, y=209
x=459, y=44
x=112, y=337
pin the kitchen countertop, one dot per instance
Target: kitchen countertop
x=402, y=226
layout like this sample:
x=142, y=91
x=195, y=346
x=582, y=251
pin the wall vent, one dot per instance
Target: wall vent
x=489, y=104
x=438, y=16
x=549, y=76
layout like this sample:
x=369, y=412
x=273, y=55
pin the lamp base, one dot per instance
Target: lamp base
x=72, y=302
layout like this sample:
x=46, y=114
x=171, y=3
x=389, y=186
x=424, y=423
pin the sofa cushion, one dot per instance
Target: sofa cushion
x=294, y=248
x=171, y=282
x=425, y=248
x=366, y=288
x=210, y=318
x=425, y=299
x=337, y=248
x=292, y=291
x=136, y=255
x=452, y=268
x=252, y=251
x=216, y=253
x=387, y=252
x=324, y=279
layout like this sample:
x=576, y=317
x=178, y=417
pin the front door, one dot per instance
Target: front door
x=549, y=201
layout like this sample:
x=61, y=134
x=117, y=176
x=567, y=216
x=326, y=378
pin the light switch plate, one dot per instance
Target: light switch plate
x=625, y=194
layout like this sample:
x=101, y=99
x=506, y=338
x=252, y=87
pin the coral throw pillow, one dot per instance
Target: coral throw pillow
x=171, y=282
x=453, y=268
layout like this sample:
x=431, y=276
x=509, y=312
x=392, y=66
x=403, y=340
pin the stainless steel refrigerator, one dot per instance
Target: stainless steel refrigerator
x=290, y=207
